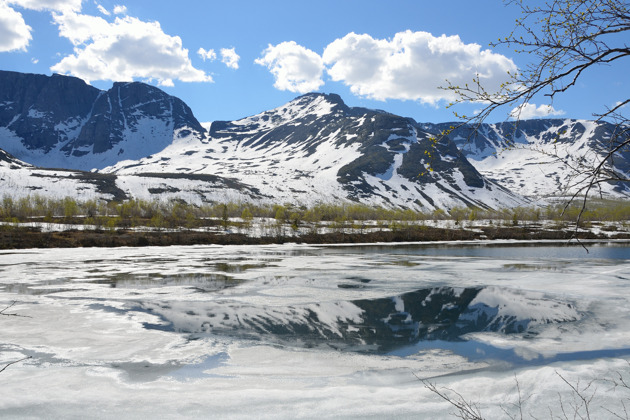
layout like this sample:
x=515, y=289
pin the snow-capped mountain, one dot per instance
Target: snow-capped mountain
x=544, y=158
x=317, y=149
x=62, y=122
x=147, y=144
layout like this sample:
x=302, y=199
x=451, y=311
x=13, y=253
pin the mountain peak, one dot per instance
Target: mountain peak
x=309, y=106
x=84, y=127
x=316, y=103
x=332, y=98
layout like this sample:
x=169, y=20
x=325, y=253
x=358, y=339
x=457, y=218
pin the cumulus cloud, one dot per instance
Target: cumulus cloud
x=123, y=50
x=412, y=65
x=15, y=34
x=209, y=55
x=230, y=58
x=529, y=111
x=79, y=28
x=294, y=67
x=103, y=10
x=120, y=10
x=56, y=5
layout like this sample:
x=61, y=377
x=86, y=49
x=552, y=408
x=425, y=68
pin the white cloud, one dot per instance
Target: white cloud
x=120, y=10
x=15, y=34
x=230, y=58
x=80, y=28
x=34, y=60
x=209, y=55
x=295, y=68
x=529, y=111
x=56, y=5
x=103, y=10
x=412, y=65
x=123, y=50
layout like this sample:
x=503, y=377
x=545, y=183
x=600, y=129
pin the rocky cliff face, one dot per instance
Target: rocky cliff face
x=317, y=149
x=310, y=150
x=33, y=107
x=546, y=157
x=63, y=122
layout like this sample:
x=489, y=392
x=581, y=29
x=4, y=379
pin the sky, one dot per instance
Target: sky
x=231, y=59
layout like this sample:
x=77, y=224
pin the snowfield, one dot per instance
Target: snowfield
x=547, y=158
x=295, y=331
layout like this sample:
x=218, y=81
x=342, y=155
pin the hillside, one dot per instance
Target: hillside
x=139, y=142
x=62, y=122
x=316, y=149
x=545, y=157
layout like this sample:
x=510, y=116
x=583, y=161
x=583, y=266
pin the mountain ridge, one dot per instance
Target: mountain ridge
x=62, y=121
x=322, y=150
x=543, y=157
x=312, y=149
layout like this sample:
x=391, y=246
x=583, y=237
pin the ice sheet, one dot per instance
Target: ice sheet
x=106, y=331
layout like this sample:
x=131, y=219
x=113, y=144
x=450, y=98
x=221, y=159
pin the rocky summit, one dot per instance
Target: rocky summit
x=61, y=121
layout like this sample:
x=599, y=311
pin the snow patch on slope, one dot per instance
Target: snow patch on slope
x=542, y=163
x=281, y=172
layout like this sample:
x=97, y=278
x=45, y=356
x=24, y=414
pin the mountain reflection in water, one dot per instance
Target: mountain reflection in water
x=372, y=325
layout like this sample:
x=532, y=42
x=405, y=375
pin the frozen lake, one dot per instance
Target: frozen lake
x=297, y=331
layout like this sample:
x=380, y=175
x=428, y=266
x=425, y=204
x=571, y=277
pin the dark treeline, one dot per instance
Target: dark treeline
x=179, y=214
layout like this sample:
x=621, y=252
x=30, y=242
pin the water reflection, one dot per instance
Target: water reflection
x=373, y=325
x=206, y=282
x=202, y=282
x=42, y=288
x=540, y=266
x=236, y=268
x=476, y=351
x=372, y=298
x=530, y=250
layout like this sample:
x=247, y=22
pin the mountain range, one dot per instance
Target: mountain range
x=60, y=136
x=544, y=157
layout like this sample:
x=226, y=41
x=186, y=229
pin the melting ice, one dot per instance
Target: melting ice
x=302, y=331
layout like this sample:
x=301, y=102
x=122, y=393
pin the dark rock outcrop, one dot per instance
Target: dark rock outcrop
x=62, y=121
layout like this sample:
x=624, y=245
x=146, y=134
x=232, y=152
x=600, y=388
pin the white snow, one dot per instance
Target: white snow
x=27, y=181
x=35, y=114
x=99, y=348
x=289, y=171
x=537, y=167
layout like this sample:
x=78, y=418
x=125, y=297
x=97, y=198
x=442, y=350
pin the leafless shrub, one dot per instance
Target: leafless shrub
x=584, y=397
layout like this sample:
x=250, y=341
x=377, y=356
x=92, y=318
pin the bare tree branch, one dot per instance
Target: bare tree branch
x=567, y=39
x=466, y=410
x=13, y=314
x=12, y=363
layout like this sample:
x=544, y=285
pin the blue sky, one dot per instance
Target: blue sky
x=228, y=60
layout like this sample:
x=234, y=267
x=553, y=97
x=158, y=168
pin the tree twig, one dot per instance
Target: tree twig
x=12, y=363
x=13, y=314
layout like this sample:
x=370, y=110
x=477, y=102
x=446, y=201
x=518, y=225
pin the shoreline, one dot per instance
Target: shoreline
x=19, y=237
